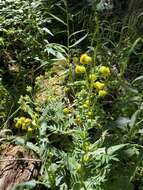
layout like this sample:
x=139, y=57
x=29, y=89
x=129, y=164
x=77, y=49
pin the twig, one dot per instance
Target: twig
x=20, y=159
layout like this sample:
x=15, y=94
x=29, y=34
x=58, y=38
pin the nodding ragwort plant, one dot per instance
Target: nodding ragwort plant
x=83, y=117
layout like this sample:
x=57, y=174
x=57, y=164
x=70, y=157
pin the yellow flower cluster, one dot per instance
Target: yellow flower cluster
x=104, y=71
x=80, y=69
x=100, y=87
x=24, y=123
x=102, y=93
x=85, y=59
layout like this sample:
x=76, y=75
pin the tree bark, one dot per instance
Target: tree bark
x=17, y=165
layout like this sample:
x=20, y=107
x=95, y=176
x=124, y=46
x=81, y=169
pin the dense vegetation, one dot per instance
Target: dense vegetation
x=71, y=91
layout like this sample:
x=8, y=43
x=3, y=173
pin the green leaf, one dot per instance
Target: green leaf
x=58, y=19
x=29, y=145
x=27, y=185
x=115, y=148
x=48, y=31
x=72, y=163
x=77, y=32
x=64, y=186
x=138, y=79
x=77, y=186
x=102, y=6
x=134, y=45
x=132, y=151
x=1, y=41
x=78, y=41
x=134, y=118
x=20, y=140
x=122, y=122
x=33, y=147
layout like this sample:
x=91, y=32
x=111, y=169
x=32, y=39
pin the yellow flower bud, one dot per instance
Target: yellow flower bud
x=99, y=85
x=86, y=105
x=28, y=121
x=66, y=89
x=80, y=69
x=89, y=114
x=78, y=119
x=85, y=59
x=78, y=168
x=105, y=71
x=75, y=60
x=22, y=119
x=18, y=124
x=102, y=93
x=24, y=126
x=66, y=110
x=87, y=102
x=29, y=129
x=86, y=157
x=92, y=77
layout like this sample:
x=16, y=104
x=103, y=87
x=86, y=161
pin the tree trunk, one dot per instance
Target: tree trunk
x=17, y=165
